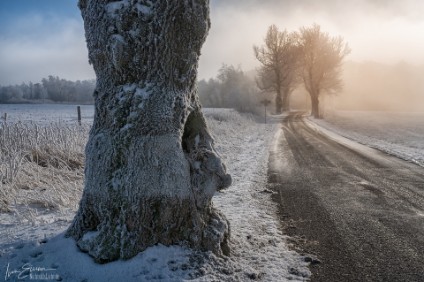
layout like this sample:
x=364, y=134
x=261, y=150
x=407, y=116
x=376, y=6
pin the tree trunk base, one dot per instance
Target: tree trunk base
x=151, y=190
x=127, y=231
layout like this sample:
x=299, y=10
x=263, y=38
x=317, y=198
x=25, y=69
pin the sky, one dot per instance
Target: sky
x=46, y=37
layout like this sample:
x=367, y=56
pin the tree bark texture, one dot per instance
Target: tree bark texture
x=151, y=168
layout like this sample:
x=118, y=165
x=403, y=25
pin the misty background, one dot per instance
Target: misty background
x=384, y=71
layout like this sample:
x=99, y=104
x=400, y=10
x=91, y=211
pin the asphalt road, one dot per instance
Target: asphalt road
x=359, y=213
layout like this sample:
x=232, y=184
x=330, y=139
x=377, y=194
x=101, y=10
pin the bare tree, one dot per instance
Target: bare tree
x=322, y=61
x=151, y=168
x=279, y=59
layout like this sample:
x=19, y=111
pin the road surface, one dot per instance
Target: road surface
x=357, y=212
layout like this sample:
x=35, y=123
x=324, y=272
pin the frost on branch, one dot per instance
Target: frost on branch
x=151, y=168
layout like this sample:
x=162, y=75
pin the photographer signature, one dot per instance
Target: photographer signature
x=25, y=271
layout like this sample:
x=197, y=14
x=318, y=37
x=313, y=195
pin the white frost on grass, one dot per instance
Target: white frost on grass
x=397, y=133
x=259, y=249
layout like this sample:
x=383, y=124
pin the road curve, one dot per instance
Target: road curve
x=358, y=210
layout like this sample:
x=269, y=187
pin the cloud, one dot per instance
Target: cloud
x=37, y=46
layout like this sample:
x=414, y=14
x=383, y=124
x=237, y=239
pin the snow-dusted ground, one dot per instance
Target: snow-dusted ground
x=34, y=244
x=397, y=133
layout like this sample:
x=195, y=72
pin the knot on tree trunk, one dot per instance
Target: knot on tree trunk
x=207, y=170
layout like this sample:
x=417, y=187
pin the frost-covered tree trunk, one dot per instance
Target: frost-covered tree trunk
x=286, y=101
x=278, y=103
x=315, y=105
x=151, y=169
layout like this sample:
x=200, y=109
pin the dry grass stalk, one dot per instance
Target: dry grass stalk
x=41, y=165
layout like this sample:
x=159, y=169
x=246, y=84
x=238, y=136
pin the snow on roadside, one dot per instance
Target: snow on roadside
x=396, y=133
x=259, y=249
x=258, y=244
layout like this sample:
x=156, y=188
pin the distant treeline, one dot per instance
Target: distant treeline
x=51, y=89
x=232, y=88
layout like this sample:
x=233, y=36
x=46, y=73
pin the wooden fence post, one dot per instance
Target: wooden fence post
x=79, y=114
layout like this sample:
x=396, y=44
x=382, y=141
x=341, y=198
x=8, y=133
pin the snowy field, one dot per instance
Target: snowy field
x=42, y=203
x=397, y=133
x=46, y=113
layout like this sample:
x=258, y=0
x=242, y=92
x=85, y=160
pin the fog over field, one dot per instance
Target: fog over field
x=381, y=87
x=373, y=86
